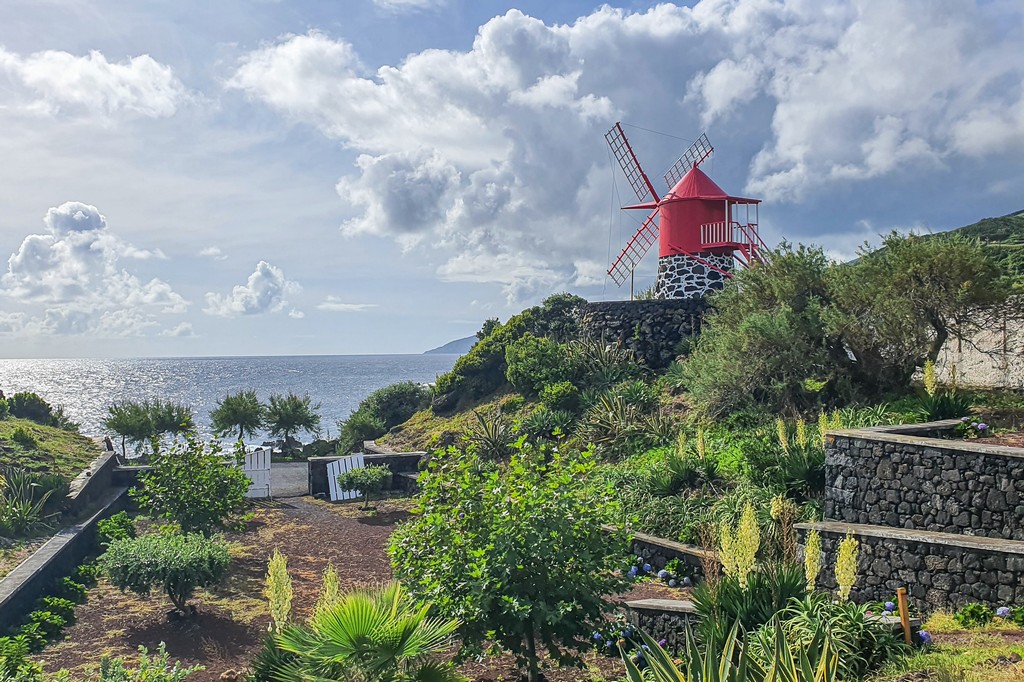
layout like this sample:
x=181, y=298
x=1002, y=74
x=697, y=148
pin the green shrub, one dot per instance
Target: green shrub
x=179, y=564
x=15, y=665
x=380, y=411
x=50, y=624
x=360, y=426
x=72, y=590
x=85, y=574
x=270, y=661
x=506, y=549
x=5, y=411
x=369, y=480
x=944, y=405
x=547, y=423
x=974, y=615
x=26, y=405
x=23, y=438
x=22, y=503
x=32, y=635
x=190, y=485
x=65, y=608
x=535, y=362
x=492, y=438
x=599, y=365
x=562, y=396
x=117, y=527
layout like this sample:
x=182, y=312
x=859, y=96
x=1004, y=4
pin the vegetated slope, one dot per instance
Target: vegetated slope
x=1004, y=237
x=456, y=347
x=33, y=446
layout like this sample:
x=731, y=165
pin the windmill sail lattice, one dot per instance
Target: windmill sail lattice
x=635, y=250
x=698, y=152
x=623, y=152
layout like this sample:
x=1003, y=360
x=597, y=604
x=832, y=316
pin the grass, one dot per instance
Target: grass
x=56, y=450
x=975, y=661
x=425, y=429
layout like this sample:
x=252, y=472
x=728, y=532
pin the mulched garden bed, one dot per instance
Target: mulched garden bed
x=1013, y=440
x=232, y=620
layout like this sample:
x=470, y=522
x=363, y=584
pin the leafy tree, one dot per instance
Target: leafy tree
x=169, y=417
x=192, y=485
x=378, y=635
x=177, y=563
x=534, y=363
x=360, y=426
x=31, y=406
x=130, y=420
x=370, y=481
x=241, y=411
x=515, y=552
x=289, y=414
x=488, y=328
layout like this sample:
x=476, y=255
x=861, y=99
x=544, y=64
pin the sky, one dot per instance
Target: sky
x=248, y=177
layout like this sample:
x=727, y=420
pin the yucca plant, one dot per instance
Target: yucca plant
x=493, y=437
x=376, y=635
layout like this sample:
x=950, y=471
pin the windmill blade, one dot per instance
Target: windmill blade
x=636, y=248
x=623, y=152
x=698, y=152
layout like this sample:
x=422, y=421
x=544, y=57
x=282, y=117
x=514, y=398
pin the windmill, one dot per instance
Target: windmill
x=699, y=228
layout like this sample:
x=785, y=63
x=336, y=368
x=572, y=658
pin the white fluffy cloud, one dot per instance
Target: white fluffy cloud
x=213, y=252
x=74, y=280
x=60, y=82
x=489, y=161
x=266, y=291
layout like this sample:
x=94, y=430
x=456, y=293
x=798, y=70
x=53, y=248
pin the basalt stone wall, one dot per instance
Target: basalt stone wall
x=658, y=552
x=939, y=571
x=682, y=276
x=663, y=619
x=926, y=484
x=652, y=329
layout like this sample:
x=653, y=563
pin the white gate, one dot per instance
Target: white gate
x=340, y=466
x=257, y=467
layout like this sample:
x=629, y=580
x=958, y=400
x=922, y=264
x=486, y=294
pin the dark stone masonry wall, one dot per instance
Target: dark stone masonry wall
x=909, y=482
x=680, y=276
x=663, y=619
x=939, y=571
x=658, y=552
x=652, y=329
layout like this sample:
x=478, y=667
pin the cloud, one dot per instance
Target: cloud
x=213, y=252
x=336, y=305
x=490, y=162
x=73, y=279
x=265, y=291
x=182, y=330
x=58, y=82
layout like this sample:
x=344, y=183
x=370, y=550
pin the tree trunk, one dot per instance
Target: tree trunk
x=533, y=671
x=241, y=433
x=941, y=335
x=124, y=449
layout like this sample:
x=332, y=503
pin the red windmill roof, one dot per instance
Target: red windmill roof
x=697, y=185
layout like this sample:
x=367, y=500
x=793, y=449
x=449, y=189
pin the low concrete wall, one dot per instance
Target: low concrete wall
x=37, y=575
x=940, y=570
x=90, y=485
x=398, y=462
x=887, y=477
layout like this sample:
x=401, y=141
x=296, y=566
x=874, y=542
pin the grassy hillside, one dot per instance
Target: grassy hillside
x=33, y=446
x=1004, y=236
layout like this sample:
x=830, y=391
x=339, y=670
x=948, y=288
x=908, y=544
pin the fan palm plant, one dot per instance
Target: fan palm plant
x=377, y=635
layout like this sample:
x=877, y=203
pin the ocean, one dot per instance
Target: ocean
x=86, y=387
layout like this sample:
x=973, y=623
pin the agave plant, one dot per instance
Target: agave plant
x=22, y=503
x=377, y=635
x=493, y=438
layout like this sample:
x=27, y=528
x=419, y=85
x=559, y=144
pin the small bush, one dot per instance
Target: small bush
x=5, y=411
x=23, y=438
x=117, y=527
x=155, y=669
x=974, y=616
x=370, y=481
x=361, y=425
x=562, y=395
x=30, y=406
x=945, y=405
x=547, y=423
x=65, y=608
x=534, y=363
x=177, y=563
x=86, y=574
x=71, y=590
x=380, y=411
x=50, y=624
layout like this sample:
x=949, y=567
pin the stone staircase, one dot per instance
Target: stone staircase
x=942, y=517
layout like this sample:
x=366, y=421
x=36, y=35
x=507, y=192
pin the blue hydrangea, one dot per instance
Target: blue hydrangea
x=663, y=574
x=1003, y=612
x=890, y=607
x=982, y=426
x=925, y=637
x=965, y=419
x=632, y=572
x=672, y=583
x=687, y=582
x=662, y=643
x=598, y=637
x=647, y=568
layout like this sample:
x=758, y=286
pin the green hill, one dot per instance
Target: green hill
x=1004, y=236
x=33, y=446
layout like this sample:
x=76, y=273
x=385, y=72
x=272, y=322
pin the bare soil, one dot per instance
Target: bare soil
x=1013, y=440
x=232, y=620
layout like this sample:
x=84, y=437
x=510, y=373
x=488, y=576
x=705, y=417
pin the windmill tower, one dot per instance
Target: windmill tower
x=701, y=231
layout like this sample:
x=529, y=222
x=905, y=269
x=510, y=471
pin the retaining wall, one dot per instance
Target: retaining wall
x=38, y=575
x=659, y=551
x=889, y=478
x=663, y=619
x=652, y=329
x=90, y=485
x=941, y=570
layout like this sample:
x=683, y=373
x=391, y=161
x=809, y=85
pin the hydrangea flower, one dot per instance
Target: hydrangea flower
x=974, y=425
x=662, y=643
x=982, y=426
x=663, y=574
x=925, y=637
x=890, y=607
x=632, y=572
x=639, y=559
x=598, y=637
x=1003, y=612
x=647, y=568
x=965, y=419
x=687, y=582
x=672, y=583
